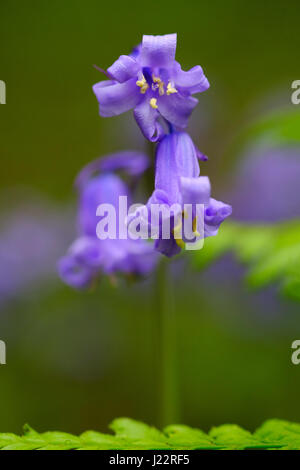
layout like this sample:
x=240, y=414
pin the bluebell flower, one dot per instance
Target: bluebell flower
x=88, y=256
x=34, y=234
x=270, y=175
x=151, y=82
x=178, y=184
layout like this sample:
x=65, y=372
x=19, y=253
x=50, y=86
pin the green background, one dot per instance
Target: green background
x=77, y=360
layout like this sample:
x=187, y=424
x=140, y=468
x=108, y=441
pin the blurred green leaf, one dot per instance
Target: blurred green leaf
x=272, y=253
x=277, y=128
x=291, y=288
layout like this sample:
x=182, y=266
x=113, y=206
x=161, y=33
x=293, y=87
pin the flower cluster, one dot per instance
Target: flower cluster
x=152, y=83
x=178, y=185
x=88, y=256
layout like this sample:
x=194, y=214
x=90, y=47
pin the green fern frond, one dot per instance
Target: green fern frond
x=272, y=253
x=134, y=435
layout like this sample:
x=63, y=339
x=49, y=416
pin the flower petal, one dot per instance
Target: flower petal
x=168, y=247
x=201, y=156
x=166, y=170
x=103, y=189
x=117, y=98
x=114, y=255
x=176, y=157
x=136, y=51
x=158, y=51
x=192, y=81
x=176, y=108
x=124, y=68
x=195, y=190
x=146, y=118
x=141, y=257
x=73, y=273
x=134, y=163
x=186, y=155
x=215, y=213
x=87, y=251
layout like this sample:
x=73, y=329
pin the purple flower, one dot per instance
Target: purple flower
x=178, y=185
x=34, y=232
x=265, y=187
x=88, y=256
x=151, y=82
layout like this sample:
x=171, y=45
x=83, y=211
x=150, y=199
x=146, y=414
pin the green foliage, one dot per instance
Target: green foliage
x=280, y=128
x=134, y=435
x=271, y=252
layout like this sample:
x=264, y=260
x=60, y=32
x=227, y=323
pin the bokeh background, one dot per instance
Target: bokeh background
x=77, y=360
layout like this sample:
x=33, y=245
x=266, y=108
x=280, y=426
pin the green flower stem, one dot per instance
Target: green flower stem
x=166, y=351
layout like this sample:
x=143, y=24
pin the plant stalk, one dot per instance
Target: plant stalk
x=166, y=354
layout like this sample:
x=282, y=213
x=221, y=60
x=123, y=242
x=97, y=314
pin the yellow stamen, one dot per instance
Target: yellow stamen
x=170, y=89
x=159, y=85
x=153, y=102
x=180, y=243
x=194, y=225
x=143, y=85
x=177, y=232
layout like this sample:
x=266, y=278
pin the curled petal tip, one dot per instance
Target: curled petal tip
x=158, y=51
x=74, y=273
x=116, y=98
x=124, y=68
x=201, y=156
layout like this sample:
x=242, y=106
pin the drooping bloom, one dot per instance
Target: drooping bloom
x=151, y=82
x=88, y=256
x=178, y=184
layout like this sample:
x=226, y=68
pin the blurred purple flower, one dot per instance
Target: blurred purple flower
x=177, y=182
x=88, y=256
x=267, y=185
x=35, y=233
x=152, y=83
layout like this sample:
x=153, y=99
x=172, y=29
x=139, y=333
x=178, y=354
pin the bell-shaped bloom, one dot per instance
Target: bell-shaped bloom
x=182, y=196
x=151, y=82
x=89, y=256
